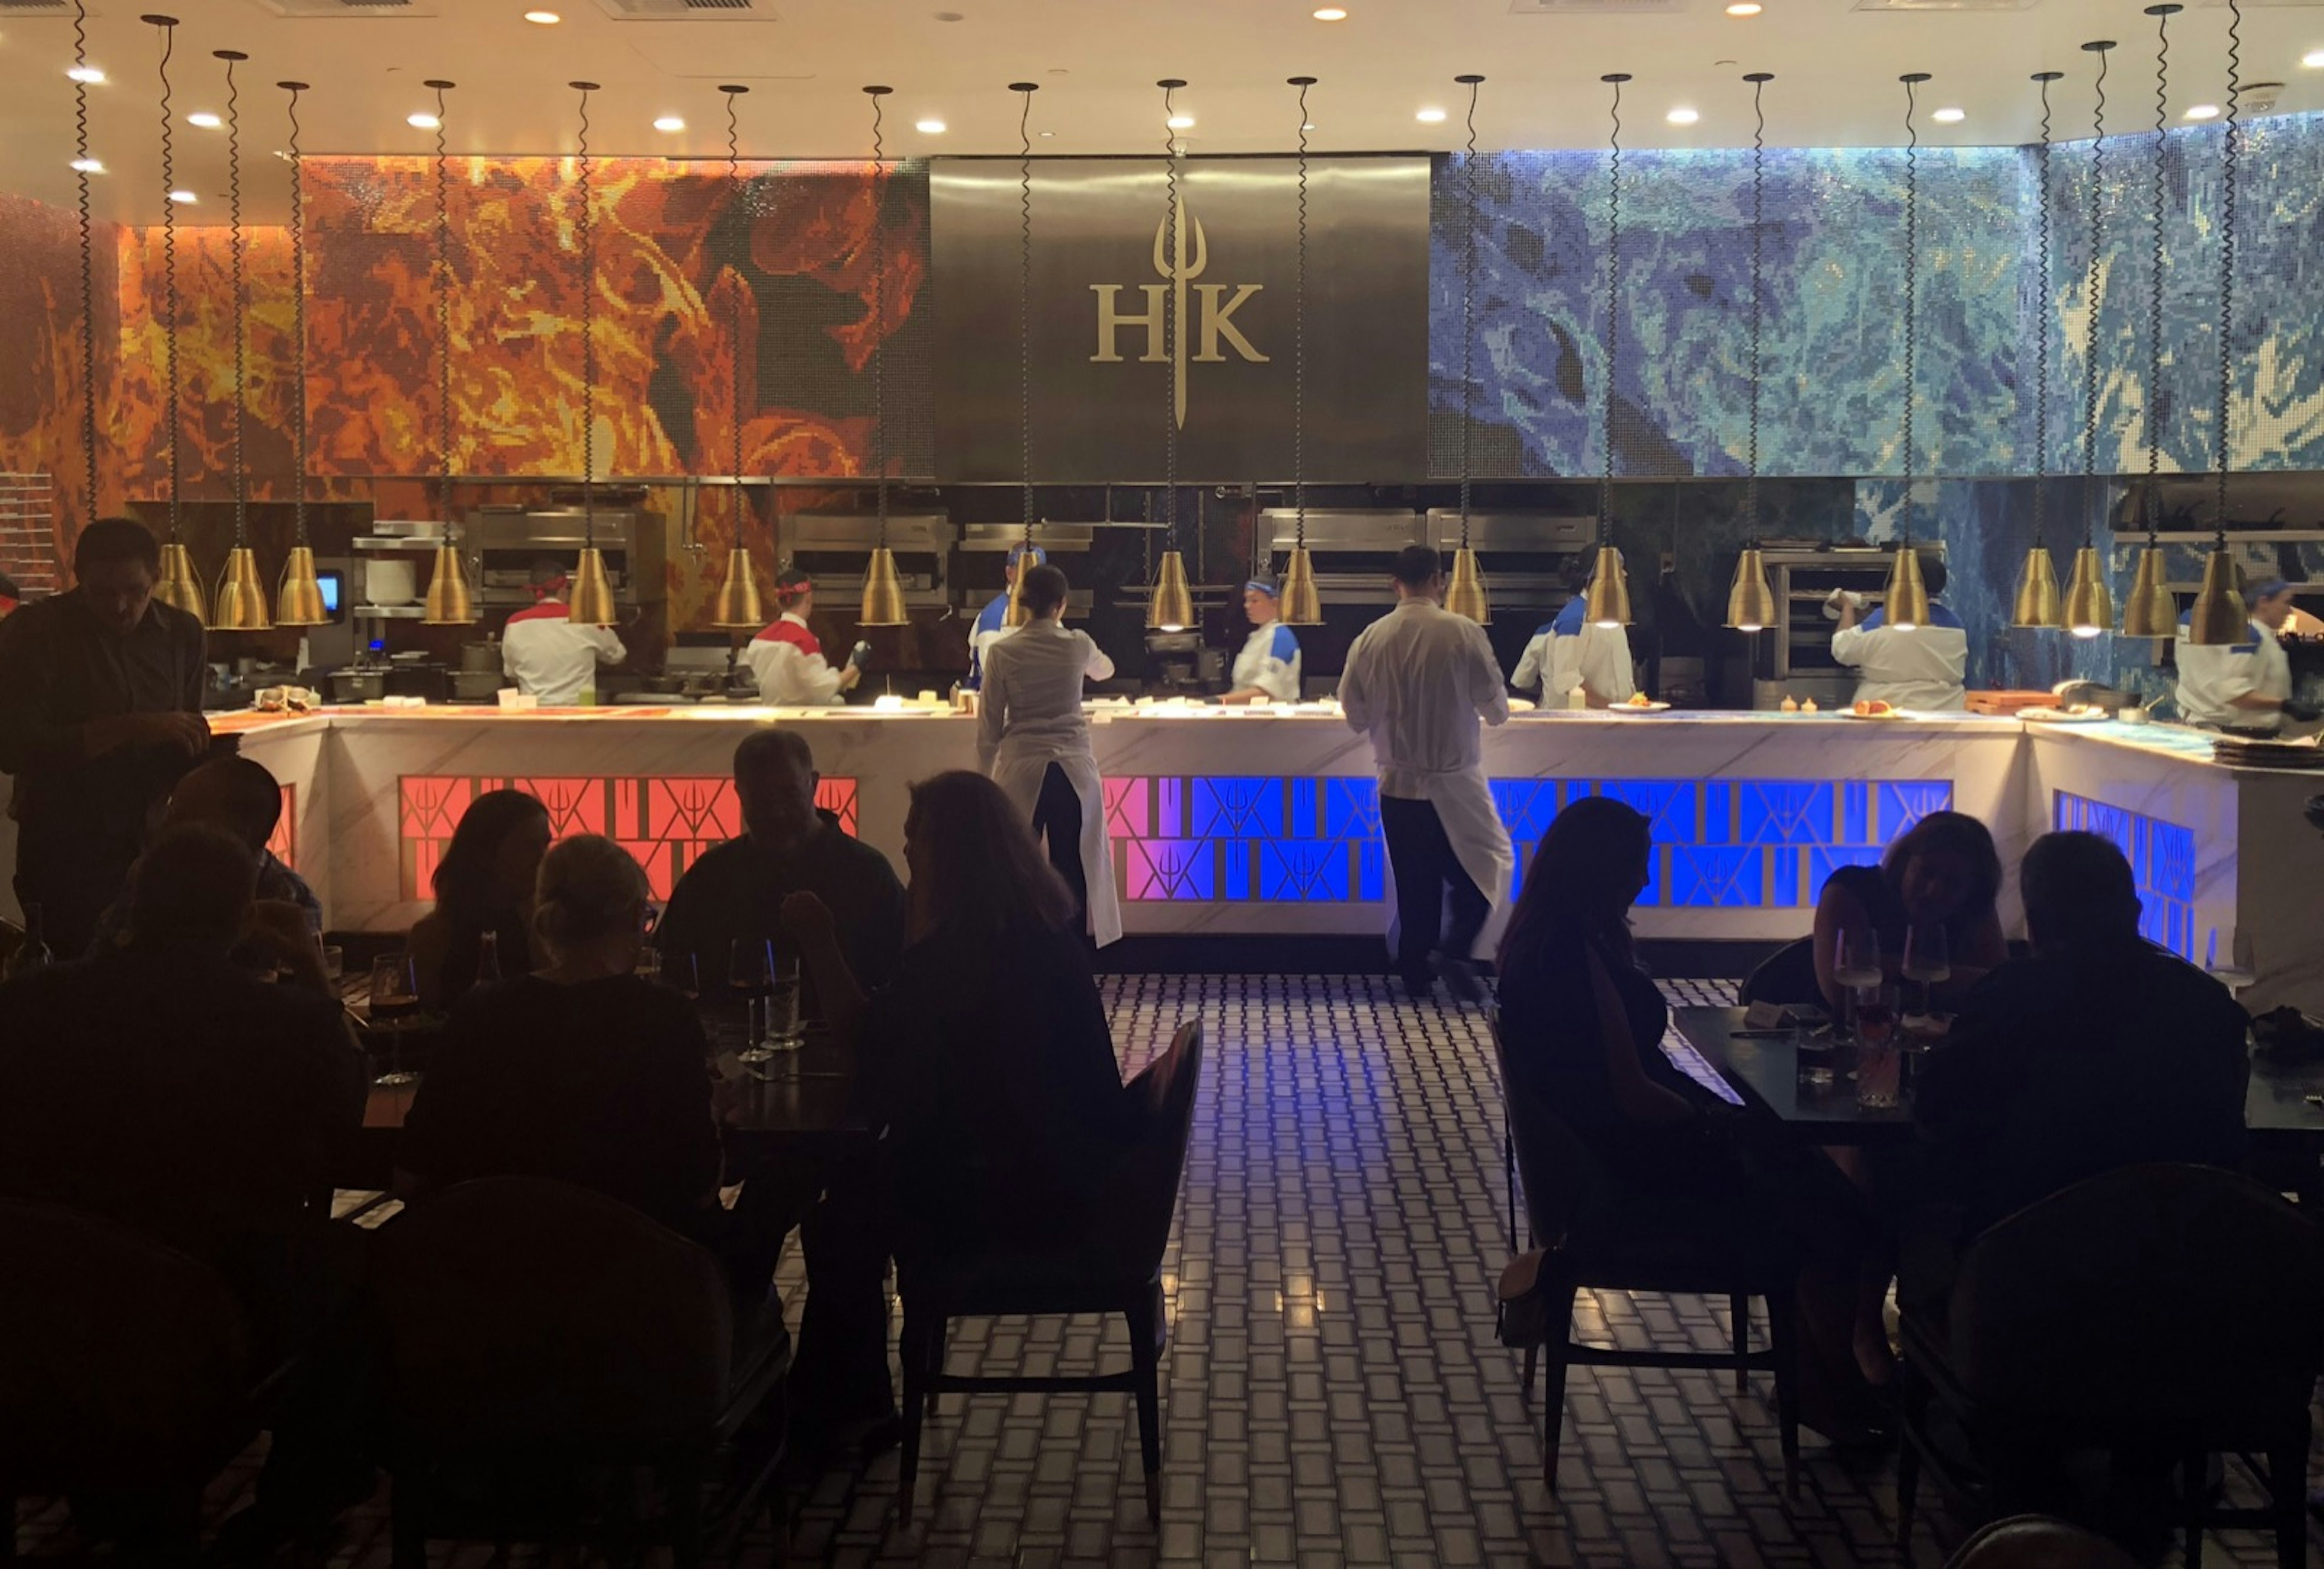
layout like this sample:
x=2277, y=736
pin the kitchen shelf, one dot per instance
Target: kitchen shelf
x=399, y=542
x=388, y=611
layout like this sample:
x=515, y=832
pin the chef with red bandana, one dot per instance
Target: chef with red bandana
x=788, y=660
x=549, y=654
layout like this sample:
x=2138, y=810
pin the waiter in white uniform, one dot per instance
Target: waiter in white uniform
x=1922, y=667
x=786, y=659
x=2247, y=685
x=1422, y=683
x=549, y=654
x=1267, y=668
x=1034, y=741
x=993, y=621
x=1571, y=653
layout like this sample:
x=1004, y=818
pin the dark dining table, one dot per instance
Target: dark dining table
x=1764, y=1068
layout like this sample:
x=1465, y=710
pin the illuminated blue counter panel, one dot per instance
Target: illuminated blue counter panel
x=2162, y=857
x=1720, y=843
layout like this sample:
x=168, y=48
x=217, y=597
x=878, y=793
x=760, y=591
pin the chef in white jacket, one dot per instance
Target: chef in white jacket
x=1267, y=668
x=1923, y=667
x=786, y=659
x=549, y=654
x=1570, y=653
x=2245, y=684
x=1034, y=741
x=1421, y=683
x=993, y=621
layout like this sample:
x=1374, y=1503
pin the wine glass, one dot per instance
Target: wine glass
x=1928, y=959
x=680, y=973
x=1855, y=966
x=394, y=1000
x=751, y=971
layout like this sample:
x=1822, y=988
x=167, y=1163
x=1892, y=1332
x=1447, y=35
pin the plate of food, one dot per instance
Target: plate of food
x=1636, y=703
x=2076, y=714
x=1873, y=708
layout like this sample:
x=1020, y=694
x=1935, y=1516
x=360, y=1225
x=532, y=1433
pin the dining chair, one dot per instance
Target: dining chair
x=2038, y=1541
x=123, y=1364
x=1786, y=976
x=1594, y=1237
x=1123, y=1276
x=2165, y=1312
x=533, y=1330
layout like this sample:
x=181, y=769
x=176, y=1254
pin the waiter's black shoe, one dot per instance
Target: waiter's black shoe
x=1462, y=981
x=1420, y=985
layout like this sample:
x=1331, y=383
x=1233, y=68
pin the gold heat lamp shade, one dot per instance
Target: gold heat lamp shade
x=1906, y=598
x=1171, y=607
x=2220, y=616
x=449, y=602
x=298, y=601
x=1302, y=603
x=1019, y=612
x=883, y=593
x=738, y=607
x=2090, y=603
x=1608, y=602
x=1751, y=601
x=1465, y=595
x=178, y=587
x=2152, y=610
x=241, y=596
x=592, y=591
x=2037, y=592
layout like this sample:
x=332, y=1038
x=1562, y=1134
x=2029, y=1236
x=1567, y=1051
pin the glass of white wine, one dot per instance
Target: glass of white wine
x=1928, y=962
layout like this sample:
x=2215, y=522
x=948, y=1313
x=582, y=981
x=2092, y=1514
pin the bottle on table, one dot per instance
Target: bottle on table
x=32, y=956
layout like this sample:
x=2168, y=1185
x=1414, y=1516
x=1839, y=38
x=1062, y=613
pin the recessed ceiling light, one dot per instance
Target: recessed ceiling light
x=421, y=122
x=85, y=73
x=184, y=198
x=1683, y=116
x=1430, y=116
x=1180, y=122
x=930, y=127
x=1310, y=125
x=2314, y=60
x=204, y=119
x=88, y=166
x=1332, y=14
x=543, y=18
x=1048, y=132
x=669, y=123
x=1949, y=116
x=1745, y=8
x=2203, y=112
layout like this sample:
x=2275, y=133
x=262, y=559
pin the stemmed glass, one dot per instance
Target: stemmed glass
x=751, y=971
x=680, y=972
x=1854, y=967
x=394, y=1000
x=1928, y=960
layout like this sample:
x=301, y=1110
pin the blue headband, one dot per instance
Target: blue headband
x=1256, y=587
x=2271, y=588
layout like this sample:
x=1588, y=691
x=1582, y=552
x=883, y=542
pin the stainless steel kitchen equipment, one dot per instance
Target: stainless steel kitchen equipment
x=835, y=549
x=506, y=540
x=1794, y=655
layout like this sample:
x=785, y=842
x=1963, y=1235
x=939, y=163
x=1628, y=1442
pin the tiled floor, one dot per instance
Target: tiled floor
x=1333, y=1393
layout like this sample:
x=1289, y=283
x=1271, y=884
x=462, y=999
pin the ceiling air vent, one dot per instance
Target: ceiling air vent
x=311, y=8
x=688, y=10
x=1594, y=7
x=35, y=7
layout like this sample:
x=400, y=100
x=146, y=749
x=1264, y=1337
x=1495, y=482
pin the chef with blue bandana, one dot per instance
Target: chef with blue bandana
x=1267, y=668
x=1568, y=653
x=2245, y=684
x=992, y=622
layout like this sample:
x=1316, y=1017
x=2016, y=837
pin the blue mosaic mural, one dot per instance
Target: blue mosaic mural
x=1719, y=843
x=2161, y=858
x=1832, y=336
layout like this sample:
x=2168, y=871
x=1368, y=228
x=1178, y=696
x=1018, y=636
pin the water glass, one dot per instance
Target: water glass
x=750, y=973
x=394, y=1001
x=786, y=1025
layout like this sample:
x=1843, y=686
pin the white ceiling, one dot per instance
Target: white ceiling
x=1096, y=61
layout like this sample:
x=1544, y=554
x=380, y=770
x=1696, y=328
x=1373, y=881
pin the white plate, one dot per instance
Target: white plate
x=2042, y=715
x=1635, y=708
x=1888, y=718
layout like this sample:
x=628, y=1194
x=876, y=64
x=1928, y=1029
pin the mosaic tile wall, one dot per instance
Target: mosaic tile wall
x=1720, y=843
x=665, y=823
x=2162, y=857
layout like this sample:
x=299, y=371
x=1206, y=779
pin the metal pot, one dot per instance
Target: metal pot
x=480, y=657
x=358, y=686
x=475, y=686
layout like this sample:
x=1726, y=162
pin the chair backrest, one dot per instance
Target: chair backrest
x=1786, y=976
x=1164, y=1092
x=121, y=1359
x=517, y=1307
x=2038, y=1541
x=2152, y=1295
x=1562, y=1179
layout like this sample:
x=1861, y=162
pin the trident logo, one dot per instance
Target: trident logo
x=1180, y=268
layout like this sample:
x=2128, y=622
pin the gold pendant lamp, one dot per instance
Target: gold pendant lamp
x=737, y=606
x=1017, y=613
x=883, y=585
x=449, y=601
x=1751, y=599
x=2036, y=604
x=299, y=597
x=1607, y=604
x=592, y=604
x=241, y=605
x=1905, y=599
x=1465, y=594
x=2220, y=616
x=2151, y=611
x=1301, y=604
x=1169, y=603
x=178, y=585
x=2089, y=597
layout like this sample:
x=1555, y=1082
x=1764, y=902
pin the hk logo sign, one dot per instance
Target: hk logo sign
x=1164, y=318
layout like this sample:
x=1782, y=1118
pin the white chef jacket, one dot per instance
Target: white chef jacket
x=2210, y=679
x=1923, y=668
x=1270, y=661
x=991, y=626
x=1030, y=718
x=786, y=661
x=1421, y=683
x=552, y=657
x=1571, y=650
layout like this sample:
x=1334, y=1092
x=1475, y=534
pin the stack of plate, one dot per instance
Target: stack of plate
x=2298, y=755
